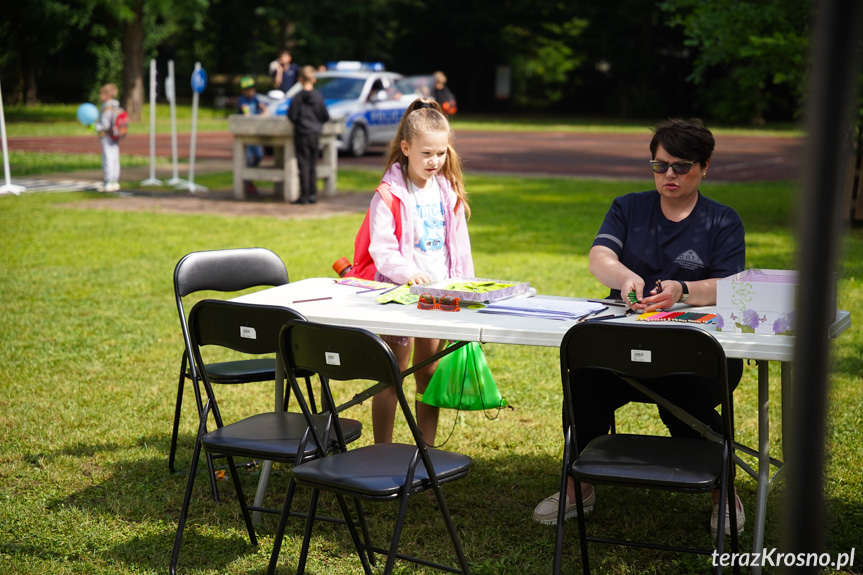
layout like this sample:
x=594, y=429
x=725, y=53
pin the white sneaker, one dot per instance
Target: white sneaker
x=546, y=511
x=112, y=187
x=741, y=518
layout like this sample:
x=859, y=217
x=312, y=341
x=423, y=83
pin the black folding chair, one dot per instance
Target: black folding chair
x=636, y=354
x=280, y=436
x=380, y=472
x=224, y=271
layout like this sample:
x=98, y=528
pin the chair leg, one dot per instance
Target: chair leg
x=364, y=527
x=283, y=523
x=397, y=533
x=177, y=409
x=307, y=536
x=242, y=498
x=352, y=528
x=558, y=539
x=184, y=511
x=453, y=534
x=582, y=528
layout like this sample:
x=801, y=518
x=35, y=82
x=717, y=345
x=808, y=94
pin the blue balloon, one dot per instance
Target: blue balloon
x=87, y=113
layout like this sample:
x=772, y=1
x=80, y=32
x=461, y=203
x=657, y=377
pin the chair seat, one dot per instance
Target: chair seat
x=272, y=435
x=689, y=464
x=242, y=371
x=378, y=471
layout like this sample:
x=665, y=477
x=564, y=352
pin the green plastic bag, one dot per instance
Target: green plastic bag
x=463, y=381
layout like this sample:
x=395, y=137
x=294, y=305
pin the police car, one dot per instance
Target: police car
x=369, y=100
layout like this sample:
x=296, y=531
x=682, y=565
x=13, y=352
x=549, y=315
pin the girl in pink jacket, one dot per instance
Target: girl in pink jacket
x=424, y=173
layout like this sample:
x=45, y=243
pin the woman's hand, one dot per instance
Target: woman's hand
x=663, y=296
x=632, y=282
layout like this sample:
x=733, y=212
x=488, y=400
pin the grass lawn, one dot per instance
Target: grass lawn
x=90, y=349
x=59, y=120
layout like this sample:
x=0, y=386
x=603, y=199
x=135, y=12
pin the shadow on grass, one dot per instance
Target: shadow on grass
x=491, y=508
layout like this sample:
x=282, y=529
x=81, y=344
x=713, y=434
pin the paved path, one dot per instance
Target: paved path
x=625, y=156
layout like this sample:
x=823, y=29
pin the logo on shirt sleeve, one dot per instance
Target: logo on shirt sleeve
x=689, y=260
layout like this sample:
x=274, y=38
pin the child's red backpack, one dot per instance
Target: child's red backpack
x=364, y=265
x=121, y=124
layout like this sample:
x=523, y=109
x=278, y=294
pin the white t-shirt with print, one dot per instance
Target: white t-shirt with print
x=430, y=250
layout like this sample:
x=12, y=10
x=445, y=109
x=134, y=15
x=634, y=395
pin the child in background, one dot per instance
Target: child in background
x=250, y=105
x=308, y=113
x=424, y=172
x=110, y=146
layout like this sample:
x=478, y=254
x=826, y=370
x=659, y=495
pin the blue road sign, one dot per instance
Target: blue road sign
x=199, y=80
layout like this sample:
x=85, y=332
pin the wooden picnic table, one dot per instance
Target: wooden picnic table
x=277, y=132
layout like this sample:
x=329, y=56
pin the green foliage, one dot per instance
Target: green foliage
x=745, y=52
x=90, y=349
x=544, y=58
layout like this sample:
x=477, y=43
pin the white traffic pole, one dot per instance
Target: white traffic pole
x=9, y=187
x=170, y=94
x=152, y=181
x=199, y=82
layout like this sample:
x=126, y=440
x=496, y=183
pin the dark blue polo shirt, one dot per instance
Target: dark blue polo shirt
x=708, y=243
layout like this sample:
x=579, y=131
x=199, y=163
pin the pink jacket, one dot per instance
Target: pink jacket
x=394, y=259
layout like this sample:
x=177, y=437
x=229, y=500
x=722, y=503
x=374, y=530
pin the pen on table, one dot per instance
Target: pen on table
x=313, y=299
x=368, y=290
x=391, y=289
x=602, y=317
x=600, y=310
x=606, y=302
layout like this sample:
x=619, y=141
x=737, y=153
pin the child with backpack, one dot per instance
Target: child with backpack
x=423, y=172
x=110, y=127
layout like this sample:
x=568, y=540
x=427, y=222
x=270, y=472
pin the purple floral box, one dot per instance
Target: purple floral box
x=757, y=301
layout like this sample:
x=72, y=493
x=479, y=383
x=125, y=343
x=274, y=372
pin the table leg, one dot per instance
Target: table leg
x=239, y=165
x=268, y=465
x=785, y=379
x=763, y=460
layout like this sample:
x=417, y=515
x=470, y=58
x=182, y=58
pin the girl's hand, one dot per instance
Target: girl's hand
x=419, y=278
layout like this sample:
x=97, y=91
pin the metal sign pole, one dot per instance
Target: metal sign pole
x=171, y=95
x=8, y=187
x=152, y=181
x=199, y=82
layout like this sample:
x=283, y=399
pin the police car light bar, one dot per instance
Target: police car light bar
x=355, y=66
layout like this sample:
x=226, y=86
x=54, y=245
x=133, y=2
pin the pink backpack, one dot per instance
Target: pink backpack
x=364, y=265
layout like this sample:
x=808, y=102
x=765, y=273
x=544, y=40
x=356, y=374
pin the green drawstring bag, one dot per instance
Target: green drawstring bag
x=463, y=381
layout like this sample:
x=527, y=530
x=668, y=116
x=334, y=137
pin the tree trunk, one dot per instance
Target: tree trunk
x=28, y=73
x=133, y=64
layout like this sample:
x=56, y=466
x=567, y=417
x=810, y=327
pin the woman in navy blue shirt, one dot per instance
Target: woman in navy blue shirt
x=678, y=237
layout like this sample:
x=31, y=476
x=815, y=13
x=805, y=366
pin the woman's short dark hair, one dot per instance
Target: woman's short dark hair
x=687, y=139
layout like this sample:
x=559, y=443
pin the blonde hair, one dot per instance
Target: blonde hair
x=425, y=115
x=307, y=73
x=110, y=90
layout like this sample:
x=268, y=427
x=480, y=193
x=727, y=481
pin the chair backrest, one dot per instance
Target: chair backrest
x=339, y=353
x=225, y=271
x=228, y=270
x=644, y=352
x=243, y=327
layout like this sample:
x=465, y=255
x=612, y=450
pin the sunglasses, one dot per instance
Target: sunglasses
x=679, y=168
x=445, y=303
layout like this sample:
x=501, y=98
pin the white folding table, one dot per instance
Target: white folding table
x=321, y=300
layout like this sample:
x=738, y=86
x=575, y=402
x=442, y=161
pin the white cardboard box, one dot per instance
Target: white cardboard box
x=757, y=301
